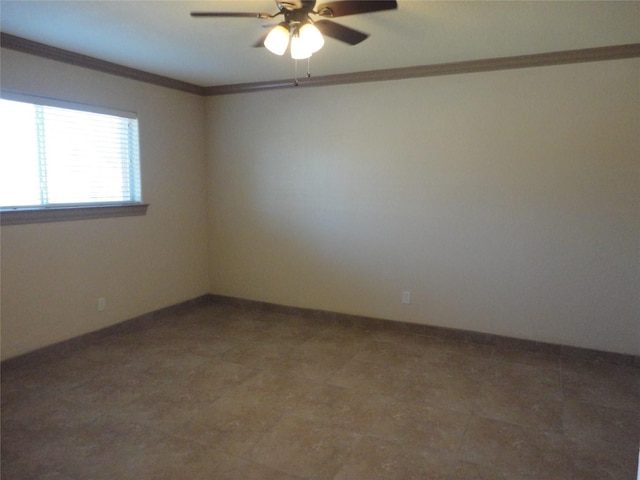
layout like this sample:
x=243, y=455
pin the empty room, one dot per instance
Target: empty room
x=320, y=240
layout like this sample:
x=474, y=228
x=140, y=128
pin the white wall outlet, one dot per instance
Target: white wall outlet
x=406, y=297
x=102, y=304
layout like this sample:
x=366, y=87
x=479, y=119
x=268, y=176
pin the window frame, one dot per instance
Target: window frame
x=21, y=215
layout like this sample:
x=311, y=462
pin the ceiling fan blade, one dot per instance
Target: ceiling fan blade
x=231, y=14
x=353, y=7
x=340, y=32
x=260, y=43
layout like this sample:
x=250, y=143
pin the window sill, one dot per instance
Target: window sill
x=23, y=216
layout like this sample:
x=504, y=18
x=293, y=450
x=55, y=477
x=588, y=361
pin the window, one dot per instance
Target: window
x=62, y=157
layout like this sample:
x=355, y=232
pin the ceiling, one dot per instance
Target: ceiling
x=159, y=36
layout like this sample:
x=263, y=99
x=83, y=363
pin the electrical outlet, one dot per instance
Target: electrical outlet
x=406, y=297
x=102, y=304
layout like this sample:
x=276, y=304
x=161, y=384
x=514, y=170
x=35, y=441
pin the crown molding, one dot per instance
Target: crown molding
x=615, y=52
x=24, y=45
x=564, y=57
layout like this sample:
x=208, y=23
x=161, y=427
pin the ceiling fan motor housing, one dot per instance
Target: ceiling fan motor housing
x=296, y=5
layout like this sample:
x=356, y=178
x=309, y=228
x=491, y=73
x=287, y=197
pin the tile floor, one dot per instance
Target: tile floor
x=229, y=392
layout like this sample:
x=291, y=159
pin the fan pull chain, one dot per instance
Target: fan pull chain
x=295, y=63
x=295, y=79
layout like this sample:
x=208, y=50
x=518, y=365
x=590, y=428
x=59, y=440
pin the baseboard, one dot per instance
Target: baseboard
x=67, y=347
x=147, y=320
x=563, y=351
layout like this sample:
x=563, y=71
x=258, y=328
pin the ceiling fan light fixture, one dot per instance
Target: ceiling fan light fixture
x=278, y=39
x=311, y=36
x=299, y=48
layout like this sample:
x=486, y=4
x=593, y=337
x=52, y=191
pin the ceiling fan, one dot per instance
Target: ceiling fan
x=301, y=32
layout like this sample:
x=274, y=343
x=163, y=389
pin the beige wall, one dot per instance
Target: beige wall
x=53, y=274
x=506, y=202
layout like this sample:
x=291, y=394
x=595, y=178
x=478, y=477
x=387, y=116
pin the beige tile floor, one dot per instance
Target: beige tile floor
x=229, y=392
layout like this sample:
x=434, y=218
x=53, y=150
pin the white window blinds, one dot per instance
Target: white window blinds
x=55, y=154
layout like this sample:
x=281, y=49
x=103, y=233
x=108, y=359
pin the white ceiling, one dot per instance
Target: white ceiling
x=159, y=36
